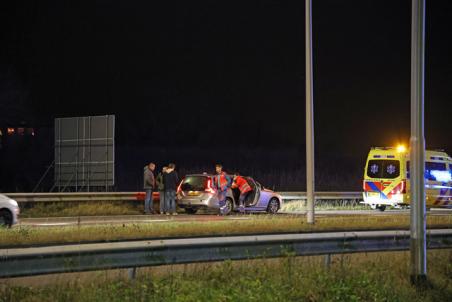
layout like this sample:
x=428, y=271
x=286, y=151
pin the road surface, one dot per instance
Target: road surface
x=99, y=220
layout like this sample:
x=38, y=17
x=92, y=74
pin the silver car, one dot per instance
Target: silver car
x=197, y=191
x=9, y=211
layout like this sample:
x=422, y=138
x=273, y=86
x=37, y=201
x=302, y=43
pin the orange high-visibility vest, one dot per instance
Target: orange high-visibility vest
x=221, y=181
x=242, y=184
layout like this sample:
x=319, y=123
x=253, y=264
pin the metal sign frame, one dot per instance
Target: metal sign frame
x=85, y=153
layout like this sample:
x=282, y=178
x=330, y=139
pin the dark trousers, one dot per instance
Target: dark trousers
x=222, y=200
x=148, y=204
x=170, y=201
x=163, y=208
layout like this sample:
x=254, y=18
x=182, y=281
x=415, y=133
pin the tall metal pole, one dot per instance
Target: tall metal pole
x=310, y=180
x=417, y=144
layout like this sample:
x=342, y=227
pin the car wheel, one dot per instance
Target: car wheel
x=273, y=206
x=191, y=210
x=227, y=209
x=6, y=218
x=381, y=207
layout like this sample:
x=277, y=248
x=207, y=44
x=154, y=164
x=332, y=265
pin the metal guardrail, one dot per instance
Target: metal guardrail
x=76, y=196
x=88, y=257
x=139, y=196
x=323, y=195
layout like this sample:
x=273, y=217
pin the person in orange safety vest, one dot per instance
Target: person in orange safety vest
x=222, y=184
x=242, y=184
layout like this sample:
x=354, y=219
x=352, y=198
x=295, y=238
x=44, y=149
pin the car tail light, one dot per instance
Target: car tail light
x=364, y=185
x=209, y=187
x=403, y=189
x=179, y=188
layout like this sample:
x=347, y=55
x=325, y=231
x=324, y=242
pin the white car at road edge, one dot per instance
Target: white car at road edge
x=9, y=211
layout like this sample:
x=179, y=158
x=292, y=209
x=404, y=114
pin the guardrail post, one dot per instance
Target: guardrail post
x=327, y=261
x=132, y=272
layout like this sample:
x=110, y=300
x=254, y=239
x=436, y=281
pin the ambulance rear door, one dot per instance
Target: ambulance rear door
x=383, y=176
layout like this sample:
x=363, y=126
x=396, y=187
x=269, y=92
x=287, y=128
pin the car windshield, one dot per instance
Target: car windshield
x=194, y=183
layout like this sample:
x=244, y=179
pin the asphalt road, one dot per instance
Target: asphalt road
x=92, y=220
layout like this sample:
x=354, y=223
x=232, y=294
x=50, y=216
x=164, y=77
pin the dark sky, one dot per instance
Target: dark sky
x=224, y=72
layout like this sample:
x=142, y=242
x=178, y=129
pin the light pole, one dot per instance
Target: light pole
x=417, y=144
x=310, y=180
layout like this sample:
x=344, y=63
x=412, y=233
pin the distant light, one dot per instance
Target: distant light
x=31, y=131
x=401, y=148
x=10, y=131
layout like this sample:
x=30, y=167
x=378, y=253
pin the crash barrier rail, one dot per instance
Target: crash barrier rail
x=139, y=196
x=132, y=254
x=335, y=199
x=76, y=196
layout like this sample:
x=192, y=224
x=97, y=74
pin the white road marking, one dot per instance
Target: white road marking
x=239, y=218
x=55, y=223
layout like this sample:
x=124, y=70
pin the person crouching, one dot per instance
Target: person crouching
x=242, y=184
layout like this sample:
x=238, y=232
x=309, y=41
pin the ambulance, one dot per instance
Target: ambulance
x=387, y=178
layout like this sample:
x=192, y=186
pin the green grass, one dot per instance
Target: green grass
x=360, y=277
x=74, y=209
x=105, y=208
x=257, y=224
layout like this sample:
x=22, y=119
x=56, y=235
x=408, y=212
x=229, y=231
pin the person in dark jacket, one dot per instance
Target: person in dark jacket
x=161, y=187
x=170, y=179
x=148, y=186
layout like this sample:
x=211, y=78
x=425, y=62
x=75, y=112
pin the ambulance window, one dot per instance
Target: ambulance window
x=391, y=169
x=383, y=168
x=374, y=168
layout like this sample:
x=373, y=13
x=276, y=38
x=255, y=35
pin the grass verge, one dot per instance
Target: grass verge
x=105, y=208
x=256, y=224
x=74, y=209
x=359, y=277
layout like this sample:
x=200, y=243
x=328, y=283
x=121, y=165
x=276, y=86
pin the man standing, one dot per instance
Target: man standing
x=222, y=184
x=242, y=184
x=170, y=179
x=149, y=184
x=161, y=188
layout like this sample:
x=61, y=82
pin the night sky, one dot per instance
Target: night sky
x=226, y=74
